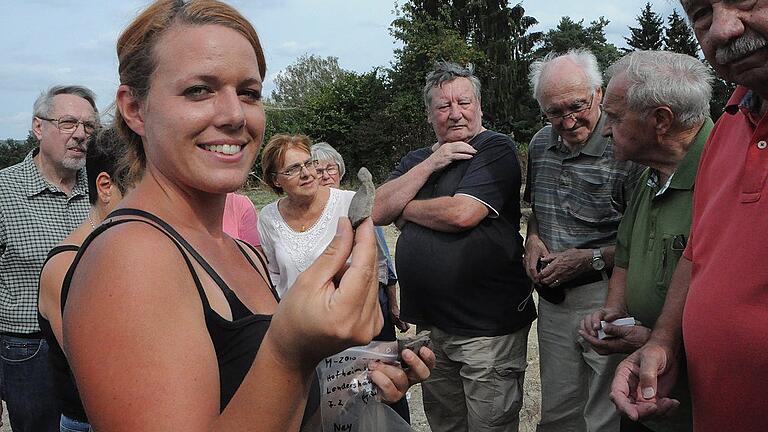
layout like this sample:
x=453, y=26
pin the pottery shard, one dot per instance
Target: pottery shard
x=414, y=343
x=362, y=203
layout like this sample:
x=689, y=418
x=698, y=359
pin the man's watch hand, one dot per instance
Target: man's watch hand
x=597, y=262
x=564, y=266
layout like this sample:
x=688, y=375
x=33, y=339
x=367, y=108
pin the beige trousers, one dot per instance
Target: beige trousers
x=477, y=382
x=575, y=382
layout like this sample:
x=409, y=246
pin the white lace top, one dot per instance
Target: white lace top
x=290, y=252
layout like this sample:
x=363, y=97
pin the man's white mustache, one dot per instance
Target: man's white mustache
x=744, y=45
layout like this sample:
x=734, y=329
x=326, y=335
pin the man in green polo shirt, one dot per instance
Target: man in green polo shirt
x=656, y=108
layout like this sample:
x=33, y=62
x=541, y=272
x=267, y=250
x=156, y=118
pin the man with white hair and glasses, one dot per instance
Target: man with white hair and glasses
x=657, y=113
x=578, y=192
x=716, y=303
x=42, y=199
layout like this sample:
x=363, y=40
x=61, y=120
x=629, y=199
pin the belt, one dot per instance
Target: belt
x=587, y=278
x=35, y=335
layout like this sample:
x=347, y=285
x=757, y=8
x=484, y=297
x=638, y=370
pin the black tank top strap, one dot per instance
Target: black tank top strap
x=167, y=227
x=263, y=270
x=60, y=249
x=238, y=308
x=109, y=224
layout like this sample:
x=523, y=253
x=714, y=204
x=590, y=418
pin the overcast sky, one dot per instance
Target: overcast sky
x=47, y=42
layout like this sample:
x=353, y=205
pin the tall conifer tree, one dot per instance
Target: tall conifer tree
x=679, y=36
x=650, y=33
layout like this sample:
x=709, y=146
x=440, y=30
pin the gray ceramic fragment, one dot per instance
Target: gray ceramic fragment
x=414, y=343
x=362, y=203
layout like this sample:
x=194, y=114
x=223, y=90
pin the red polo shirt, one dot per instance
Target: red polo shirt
x=725, y=323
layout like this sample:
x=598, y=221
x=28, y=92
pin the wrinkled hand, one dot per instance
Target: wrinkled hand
x=625, y=339
x=445, y=154
x=394, y=313
x=394, y=382
x=643, y=381
x=564, y=266
x=316, y=318
x=590, y=324
x=534, y=249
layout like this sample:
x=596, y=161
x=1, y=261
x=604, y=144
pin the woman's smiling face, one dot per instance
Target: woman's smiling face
x=203, y=117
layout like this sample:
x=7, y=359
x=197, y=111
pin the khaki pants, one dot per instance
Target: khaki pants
x=477, y=382
x=575, y=383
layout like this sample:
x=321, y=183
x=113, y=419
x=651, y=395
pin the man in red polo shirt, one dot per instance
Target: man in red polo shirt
x=717, y=304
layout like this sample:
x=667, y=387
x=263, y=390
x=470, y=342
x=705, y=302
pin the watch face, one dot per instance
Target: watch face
x=598, y=264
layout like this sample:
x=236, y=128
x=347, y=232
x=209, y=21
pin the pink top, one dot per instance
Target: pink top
x=240, y=218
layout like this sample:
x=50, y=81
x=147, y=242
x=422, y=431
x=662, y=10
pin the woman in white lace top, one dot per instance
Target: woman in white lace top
x=297, y=228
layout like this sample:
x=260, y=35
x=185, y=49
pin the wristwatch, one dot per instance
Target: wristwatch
x=598, y=263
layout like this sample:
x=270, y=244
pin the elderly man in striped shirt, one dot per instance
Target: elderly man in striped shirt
x=578, y=193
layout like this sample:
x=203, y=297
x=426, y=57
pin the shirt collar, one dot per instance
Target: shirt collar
x=745, y=98
x=35, y=183
x=595, y=145
x=685, y=174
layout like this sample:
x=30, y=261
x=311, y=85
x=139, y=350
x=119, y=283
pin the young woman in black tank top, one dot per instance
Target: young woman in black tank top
x=141, y=306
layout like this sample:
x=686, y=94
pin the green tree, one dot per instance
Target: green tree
x=570, y=34
x=502, y=34
x=679, y=36
x=721, y=92
x=428, y=35
x=14, y=151
x=429, y=32
x=650, y=33
x=493, y=36
x=303, y=77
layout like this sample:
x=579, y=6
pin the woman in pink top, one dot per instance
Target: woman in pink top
x=240, y=218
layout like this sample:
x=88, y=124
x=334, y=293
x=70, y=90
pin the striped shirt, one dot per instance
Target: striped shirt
x=578, y=197
x=34, y=217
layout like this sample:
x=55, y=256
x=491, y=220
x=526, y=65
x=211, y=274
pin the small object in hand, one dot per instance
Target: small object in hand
x=362, y=203
x=629, y=321
x=414, y=343
x=540, y=265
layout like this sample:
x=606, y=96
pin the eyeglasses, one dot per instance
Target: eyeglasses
x=331, y=170
x=576, y=108
x=295, y=169
x=68, y=124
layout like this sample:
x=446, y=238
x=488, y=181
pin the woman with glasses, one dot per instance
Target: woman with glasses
x=295, y=229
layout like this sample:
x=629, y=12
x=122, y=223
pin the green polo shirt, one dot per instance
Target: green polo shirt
x=651, y=240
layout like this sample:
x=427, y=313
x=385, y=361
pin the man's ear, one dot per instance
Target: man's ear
x=130, y=109
x=104, y=187
x=663, y=118
x=37, y=128
x=598, y=95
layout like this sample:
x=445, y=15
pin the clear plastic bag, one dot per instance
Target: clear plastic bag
x=349, y=401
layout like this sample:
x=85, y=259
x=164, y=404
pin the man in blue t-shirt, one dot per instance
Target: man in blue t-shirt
x=459, y=258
